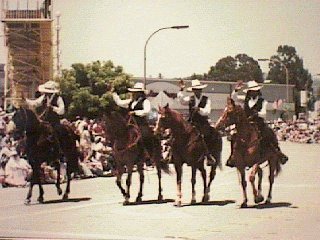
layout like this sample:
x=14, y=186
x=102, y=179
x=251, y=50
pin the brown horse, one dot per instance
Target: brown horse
x=247, y=151
x=187, y=146
x=129, y=151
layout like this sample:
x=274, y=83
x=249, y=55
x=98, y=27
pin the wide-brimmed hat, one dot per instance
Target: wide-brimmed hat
x=196, y=84
x=252, y=86
x=49, y=87
x=138, y=87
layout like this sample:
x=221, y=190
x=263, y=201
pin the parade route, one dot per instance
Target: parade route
x=95, y=210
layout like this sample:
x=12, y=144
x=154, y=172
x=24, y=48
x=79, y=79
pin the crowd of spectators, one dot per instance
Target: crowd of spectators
x=299, y=131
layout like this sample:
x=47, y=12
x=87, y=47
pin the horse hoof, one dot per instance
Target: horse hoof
x=160, y=198
x=40, y=199
x=126, y=202
x=138, y=199
x=59, y=191
x=244, y=205
x=193, y=201
x=27, y=201
x=65, y=197
x=205, y=198
x=178, y=204
x=268, y=201
x=258, y=199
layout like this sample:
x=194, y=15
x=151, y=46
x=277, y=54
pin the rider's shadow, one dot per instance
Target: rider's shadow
x=67, y=200
x=272, y=205
x=147, y=202
x=210, y=203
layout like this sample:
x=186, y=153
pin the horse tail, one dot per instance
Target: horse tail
x=278, y=167
x=165, y=167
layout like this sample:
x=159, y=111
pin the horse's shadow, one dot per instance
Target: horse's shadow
x=67, y=200
x=147, y=202
x=272, y=205
x=210, y=203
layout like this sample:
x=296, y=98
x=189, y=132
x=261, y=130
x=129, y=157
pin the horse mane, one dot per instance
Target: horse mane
x=177, y=117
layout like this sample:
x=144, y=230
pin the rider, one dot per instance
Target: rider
x=50, y=106
x=139, y=107
x=255, y=107
x=199, y=110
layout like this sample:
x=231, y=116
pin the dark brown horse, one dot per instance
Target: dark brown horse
x=42, y=146
x=129, y=151
x=187, y=146
x=248, y=152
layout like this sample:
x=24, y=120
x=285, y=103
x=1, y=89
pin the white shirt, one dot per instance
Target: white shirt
x=184, y=100
x=38, y=102
x=125, y=104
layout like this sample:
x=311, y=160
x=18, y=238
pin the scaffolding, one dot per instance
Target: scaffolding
x=28, y=40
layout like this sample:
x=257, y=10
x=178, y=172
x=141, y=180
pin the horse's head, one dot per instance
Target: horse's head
x=23, y=120
x=115, y=123
x=232, y=114
x=167, y=118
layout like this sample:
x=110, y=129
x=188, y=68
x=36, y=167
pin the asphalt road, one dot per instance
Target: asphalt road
x=95, y=210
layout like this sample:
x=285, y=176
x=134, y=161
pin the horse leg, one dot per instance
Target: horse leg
x=28, y=199
x=271, y=181
x=67, y=191
x=193, y=183
x=160, y=197
x=260, y=197
x=179, y=190
x=252, y=178
x=118, y=180
x=57, y=166
x=36, y=179
x=41, y=192
x=244, y=187
x=205, y=197
x=140, y=170
x=128, y=183
x=212, y=176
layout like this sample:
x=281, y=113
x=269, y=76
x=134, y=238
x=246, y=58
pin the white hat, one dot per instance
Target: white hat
x=138, y=87
x=195, y=84
x=49, y=87
x=252, y=86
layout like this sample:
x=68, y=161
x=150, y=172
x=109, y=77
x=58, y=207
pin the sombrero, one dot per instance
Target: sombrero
x=252, y=86
x=195, y=84
x=138, y=87
x=49, y=87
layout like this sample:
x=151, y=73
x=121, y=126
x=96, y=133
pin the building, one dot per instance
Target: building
x=28, y=39
x=1, y=84
x=163, y=91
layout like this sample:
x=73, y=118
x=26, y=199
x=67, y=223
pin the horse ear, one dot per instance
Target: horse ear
x=230, y=102
x=166, y=106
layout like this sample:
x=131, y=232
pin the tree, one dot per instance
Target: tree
x=298, y=75
x=85, y=87
x=232, y=69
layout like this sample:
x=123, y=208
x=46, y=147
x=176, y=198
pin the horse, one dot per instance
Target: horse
x=247, y=151
x=42, y=146
x=187, y=146
x=128, y=150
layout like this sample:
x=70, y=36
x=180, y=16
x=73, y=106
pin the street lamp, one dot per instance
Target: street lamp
x=286, y=69
x=145, y=49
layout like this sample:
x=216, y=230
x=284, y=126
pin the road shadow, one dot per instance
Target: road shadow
x=147, y=202
x=272, y=205
x=211, y=203
x=67, y=200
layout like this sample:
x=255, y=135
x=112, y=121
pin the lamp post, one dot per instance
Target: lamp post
x=287, y=73
x=145, y=49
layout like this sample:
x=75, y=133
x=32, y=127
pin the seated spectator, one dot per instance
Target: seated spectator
x=17, y=170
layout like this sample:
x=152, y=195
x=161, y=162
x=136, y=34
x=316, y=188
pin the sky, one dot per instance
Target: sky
x=117, y=30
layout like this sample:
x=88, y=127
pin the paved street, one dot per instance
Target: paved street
x=95, y=209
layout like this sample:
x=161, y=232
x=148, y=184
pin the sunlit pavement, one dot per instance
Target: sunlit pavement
x=95, y=210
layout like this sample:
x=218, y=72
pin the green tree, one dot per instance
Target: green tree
x=232, y=69
x=298, y=75
x=85, y=87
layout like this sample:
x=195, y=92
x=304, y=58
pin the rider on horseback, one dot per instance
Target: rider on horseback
x=139, y=107
x=255, y=107
x=50, y=107
x=199, y=110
